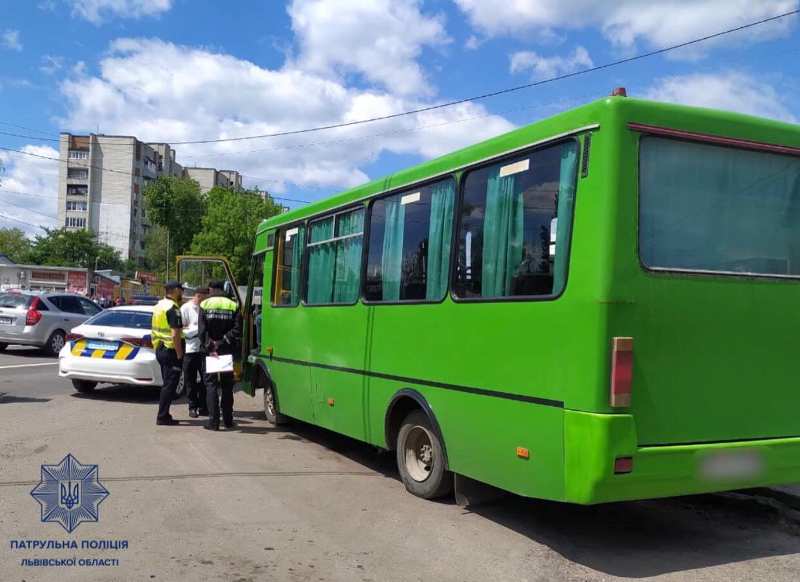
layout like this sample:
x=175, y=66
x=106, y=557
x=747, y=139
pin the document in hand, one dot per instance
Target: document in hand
x=223, y=363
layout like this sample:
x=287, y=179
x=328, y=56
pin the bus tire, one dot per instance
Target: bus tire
x=271, y=410
x=420, y=458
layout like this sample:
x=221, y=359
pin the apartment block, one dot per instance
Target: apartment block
x=208, y=178
x=102, y=179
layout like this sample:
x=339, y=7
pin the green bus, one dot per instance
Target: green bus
x=600, y=306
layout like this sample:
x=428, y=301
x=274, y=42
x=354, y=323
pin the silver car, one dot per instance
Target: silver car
x=41, y=319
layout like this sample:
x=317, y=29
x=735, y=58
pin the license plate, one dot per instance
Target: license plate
x=107, y=346
x=724, y=465
x=6, y=321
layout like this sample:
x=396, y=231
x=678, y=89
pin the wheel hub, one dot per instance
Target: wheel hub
x=418, y=454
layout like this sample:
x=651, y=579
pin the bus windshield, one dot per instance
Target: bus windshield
x=718, y=209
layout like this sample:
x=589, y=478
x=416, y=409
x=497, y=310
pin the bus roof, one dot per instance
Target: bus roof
x=585, y=117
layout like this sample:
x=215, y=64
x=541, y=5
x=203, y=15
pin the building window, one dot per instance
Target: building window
x=78, y=154
x=514, y=233
x=77, y=189
x=136, y=188
x=76, y=205
x=409, y=244
x=290, y=258
x=334, y=258
x=75, y=222
x=78, y=173
x=136, y=171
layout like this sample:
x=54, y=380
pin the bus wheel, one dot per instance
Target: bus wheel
x=420, y=458
x=271, y=406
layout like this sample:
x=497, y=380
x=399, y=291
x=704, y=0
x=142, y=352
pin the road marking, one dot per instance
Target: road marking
x=28, y=365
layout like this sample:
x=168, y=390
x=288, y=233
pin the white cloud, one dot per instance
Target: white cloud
x=35, y=182
x=165, y=92
x=548, y=67
x=380, y=40
x=51, y=64
x=98, y=11
x=733, y=91
x=656, y=23
x=10, y=40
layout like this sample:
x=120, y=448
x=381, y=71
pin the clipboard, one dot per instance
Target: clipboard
x=219, y=364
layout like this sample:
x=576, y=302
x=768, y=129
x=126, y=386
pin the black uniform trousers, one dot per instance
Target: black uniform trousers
x=219, y=387
x=170, y=375
x=195, y=390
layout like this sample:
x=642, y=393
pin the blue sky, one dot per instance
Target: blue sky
x=181, y=70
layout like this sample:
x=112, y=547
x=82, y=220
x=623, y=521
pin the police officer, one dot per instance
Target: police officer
x=220, y=330
x=168, y=343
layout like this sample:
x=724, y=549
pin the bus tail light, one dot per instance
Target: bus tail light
x=621, y=372
x=623, y=465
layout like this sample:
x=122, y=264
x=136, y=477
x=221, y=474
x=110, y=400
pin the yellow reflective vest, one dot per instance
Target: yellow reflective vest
x=161, y=332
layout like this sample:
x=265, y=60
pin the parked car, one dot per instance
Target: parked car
x=41, y=319
x=144, y=300
x=112, y=347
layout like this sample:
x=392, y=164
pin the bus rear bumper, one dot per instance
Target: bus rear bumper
x=593, y=442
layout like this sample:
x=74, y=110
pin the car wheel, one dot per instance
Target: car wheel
x=420, y=458
x=84, y=386
x=271, y=406
x=55, y=342
x=3, y=347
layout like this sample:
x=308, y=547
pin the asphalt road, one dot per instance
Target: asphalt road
x=300, y=503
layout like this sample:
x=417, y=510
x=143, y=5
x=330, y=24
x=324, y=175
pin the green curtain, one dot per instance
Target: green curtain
x=297, y=261
x=392, y=259
x=348, y=257
x=321, y=258
x=502, y=235
x=566, y=202
x=440, y=233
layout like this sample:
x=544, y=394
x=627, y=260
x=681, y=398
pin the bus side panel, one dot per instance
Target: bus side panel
x=482, y=435
x=283, y=329
x=337, y=338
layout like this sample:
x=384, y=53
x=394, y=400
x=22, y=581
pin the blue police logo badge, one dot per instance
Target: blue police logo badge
x=69, y=493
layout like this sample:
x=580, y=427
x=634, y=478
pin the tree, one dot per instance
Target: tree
x=177, y=205
x=155, y=252
x=78, y=248
x=15, y=245
x=229, y=227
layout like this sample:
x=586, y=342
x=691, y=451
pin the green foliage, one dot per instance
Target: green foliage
x=229, y=227
x=15, y=245
x=78, y=248
x=155, y=252
x=177, y=205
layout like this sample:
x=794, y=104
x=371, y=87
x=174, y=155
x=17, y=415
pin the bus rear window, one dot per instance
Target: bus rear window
x=718, y=209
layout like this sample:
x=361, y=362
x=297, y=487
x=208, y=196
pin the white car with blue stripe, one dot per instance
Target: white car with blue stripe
x=112, y=347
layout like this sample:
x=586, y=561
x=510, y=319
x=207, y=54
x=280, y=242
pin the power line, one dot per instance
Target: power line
x=500, y=91
x=9, y=217
x=491, y=94
x=102, y=169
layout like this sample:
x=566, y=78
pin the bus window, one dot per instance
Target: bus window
x=716, y=209
x=287, y=272
x=334, y=258
x=409, y=244
x=515, y=221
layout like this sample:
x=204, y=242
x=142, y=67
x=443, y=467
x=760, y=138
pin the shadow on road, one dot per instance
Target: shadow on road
x=123, y=393
x=11, y=398
x=27, y=352
x=632, y=539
